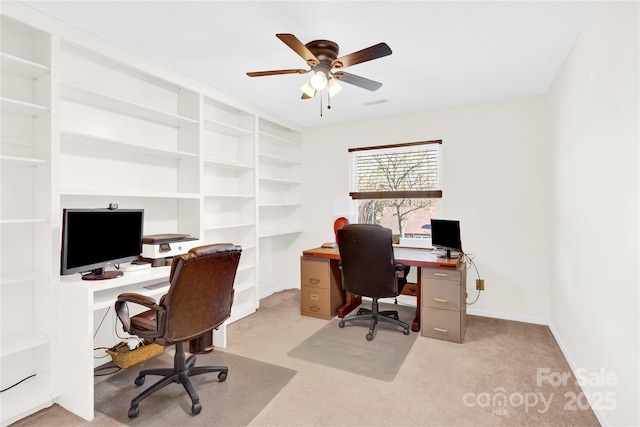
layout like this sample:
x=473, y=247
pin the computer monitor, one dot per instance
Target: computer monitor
x=93, y=239
x=445, y=234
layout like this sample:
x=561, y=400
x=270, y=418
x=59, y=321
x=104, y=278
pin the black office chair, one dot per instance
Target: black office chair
x=369, y=269
x=198, y=301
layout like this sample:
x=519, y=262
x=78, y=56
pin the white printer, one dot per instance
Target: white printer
x=159, y=249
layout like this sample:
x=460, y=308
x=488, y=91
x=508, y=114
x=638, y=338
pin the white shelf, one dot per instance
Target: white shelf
x=242, y=287
x=13, y=106
x=209, y=227
x=125, y=193
x=21, y=67
x=241, y=310
x=280, y=205
x=227, y=165
x=279, y=139
x=27, y=161
x=23, y=221
x=246, y=267
x=280, y=181
x=224, y=128
x=17, y=343
x=120, y=106
x=231, y=196
x=28, y=396
x=278, y=159
x=22, y=277
x=283, y=232
x=81, y=138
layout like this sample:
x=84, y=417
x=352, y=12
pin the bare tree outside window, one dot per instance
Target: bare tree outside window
x=400, y=171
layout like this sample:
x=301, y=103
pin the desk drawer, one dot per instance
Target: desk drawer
x=315, y=273
x=441, y=274
x=440, y=324
x=316, y=302
x=444, y=294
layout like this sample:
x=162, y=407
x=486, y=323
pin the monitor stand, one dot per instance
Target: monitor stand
x=101, y=274
x=447, y=255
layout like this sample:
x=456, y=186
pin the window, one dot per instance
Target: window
x=397, y=186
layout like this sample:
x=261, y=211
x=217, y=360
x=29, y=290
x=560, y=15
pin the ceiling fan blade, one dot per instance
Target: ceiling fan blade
x=364, y=55
x=357, y=81
x=305, y=96
x=276, y=72
x=299, y=48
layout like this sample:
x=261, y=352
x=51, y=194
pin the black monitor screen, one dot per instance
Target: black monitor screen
x=92, y=239
x=446, y=234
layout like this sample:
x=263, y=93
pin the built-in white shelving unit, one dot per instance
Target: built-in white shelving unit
x=26, y=328
x=85, y=124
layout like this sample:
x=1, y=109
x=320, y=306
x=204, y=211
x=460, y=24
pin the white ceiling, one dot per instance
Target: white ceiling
x=445, y=53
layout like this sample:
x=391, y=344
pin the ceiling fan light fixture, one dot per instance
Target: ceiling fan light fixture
x=319, y=80
x=308, y=90
x=333, y=87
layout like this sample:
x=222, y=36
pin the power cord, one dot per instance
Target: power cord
x=22, y=380
x=468, y=259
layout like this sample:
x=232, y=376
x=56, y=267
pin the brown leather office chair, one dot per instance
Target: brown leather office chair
x=198, y=301
x=369, y=269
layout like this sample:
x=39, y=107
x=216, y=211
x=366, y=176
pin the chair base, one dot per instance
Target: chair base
x=180, y=373
x=387, y=316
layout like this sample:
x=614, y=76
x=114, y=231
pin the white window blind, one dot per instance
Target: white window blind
x=401, y=171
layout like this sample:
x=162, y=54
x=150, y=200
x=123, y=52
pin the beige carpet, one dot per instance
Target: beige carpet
x=347, y=348
x=439, y=383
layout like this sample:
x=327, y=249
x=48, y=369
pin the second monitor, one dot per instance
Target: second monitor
x=445, y=234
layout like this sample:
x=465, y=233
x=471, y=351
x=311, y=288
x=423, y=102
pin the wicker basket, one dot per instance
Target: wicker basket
x=123, y=357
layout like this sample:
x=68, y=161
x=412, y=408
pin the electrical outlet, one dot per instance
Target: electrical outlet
x=480, y=284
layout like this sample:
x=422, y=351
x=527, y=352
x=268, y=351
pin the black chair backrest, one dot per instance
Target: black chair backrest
x=201, y=293
x=366, y=257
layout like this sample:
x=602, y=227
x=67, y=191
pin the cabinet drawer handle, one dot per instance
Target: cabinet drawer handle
x=315, y=296
x=440, y=300
x=444, y=331
x=314, y=281
x=314, y=308
x=441, y=274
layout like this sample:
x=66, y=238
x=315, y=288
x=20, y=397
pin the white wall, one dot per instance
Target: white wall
x=594, y=295
x=496, y=182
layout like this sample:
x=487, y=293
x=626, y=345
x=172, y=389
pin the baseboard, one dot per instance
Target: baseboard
x=496, y=315
x=268, y=292
x=574, y=368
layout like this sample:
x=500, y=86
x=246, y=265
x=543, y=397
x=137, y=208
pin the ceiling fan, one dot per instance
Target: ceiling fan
x=322, y=57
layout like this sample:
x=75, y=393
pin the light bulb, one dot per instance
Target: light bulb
x=319, y=80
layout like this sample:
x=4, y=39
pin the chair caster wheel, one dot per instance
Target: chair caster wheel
x=133, y=411
x=222, y=376
x=405, y=331
x=369, y=337
x=395, y=316
x=361, y=311
x=139, y=381
x=341, y=324
x=196, y=408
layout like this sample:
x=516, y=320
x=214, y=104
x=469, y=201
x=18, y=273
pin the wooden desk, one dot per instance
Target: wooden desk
x=416, y=257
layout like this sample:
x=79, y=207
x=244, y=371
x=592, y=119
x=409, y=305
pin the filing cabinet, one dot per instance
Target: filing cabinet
x=321, y=288
x=444, y=309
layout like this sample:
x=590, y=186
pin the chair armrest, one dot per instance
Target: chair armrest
x=122, y=310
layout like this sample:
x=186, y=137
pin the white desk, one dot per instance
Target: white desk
x=79, y=300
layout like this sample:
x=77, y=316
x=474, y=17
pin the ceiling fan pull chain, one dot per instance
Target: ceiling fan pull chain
x=320, y=103
x=328, y=100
